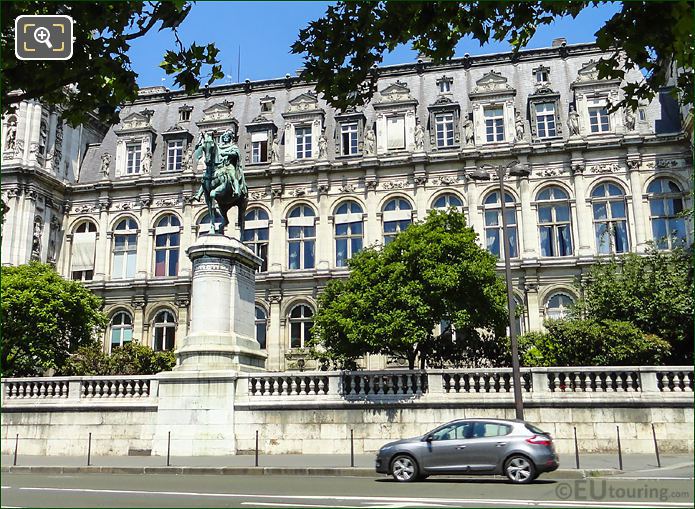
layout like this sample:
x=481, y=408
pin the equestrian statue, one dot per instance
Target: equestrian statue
x=224, y=185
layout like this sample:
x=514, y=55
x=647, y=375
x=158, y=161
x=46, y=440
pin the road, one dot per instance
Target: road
x=671, y=488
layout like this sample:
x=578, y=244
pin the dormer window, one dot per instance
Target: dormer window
x=444, y=84
x=259, y=147
x=267, y=104
x=545, y=120
x=541, y=76
x=599, y=121
x=395, y=129
x=184, y=115
x=348, y=138
x=303, y=142
x=494, y=124
x=174, y=155
x=133, y=158
x=444, y=127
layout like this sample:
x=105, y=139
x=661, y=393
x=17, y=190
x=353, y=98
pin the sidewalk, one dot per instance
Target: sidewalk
x=307, y=464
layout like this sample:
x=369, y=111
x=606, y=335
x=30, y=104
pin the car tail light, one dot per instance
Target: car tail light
x=540, y=440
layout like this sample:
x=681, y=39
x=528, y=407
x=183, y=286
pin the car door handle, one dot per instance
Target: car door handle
x=501, y=444
x=461, y=447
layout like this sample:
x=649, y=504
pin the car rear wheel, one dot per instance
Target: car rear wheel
x=519, y=469
x=404, y=469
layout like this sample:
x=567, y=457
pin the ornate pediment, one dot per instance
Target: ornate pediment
x=588, y=72
x=442, y=101
x=588, y=77
x=492, y=83
x=303, y=102
x=219, y=111
x=396, y=92
x=544, y=90
x=136, y=120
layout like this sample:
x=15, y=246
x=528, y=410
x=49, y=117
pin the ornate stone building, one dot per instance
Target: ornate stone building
x=112, y=206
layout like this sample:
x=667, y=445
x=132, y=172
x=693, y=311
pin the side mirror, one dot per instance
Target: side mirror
x=429, y=438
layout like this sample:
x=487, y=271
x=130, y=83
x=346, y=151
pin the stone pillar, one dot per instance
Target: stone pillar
x=638, y=209
x=274, y=345
x=584, y=223
x=528, y=219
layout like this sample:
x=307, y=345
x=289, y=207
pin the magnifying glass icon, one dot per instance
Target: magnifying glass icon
x=43, y=36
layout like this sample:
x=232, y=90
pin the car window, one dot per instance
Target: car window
x=534, y=429
x=457, y=431
x=490, y=429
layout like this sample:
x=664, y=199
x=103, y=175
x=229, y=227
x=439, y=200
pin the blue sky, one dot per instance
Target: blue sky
x=264, y=32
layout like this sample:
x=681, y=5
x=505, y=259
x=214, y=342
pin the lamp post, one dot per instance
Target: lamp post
x=515, y=170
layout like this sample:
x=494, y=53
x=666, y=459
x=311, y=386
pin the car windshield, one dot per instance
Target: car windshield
x=535, y=430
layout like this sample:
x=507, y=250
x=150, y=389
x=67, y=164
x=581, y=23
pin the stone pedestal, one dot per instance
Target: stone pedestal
x=222, y=330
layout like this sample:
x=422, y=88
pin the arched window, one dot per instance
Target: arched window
x=493, y=224
x=447, y=201
x=84, y=245
x=349, y=232
x=121, y=329
x=666, y=206
x=164, y=331
x=204, y=223
x=256, y=234
x=610, y=219
x=261, y=326
x=125, y=243
x=301, y=322
x=396, y=217
x=301, y=231
x=558, y=306
x=554, y=222
x=167, y=242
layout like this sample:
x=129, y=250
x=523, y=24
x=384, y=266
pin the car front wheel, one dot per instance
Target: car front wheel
x=404, y=469
x=520, y=470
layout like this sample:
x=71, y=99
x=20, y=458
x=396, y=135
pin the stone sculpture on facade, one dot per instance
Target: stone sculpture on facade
x=629, y=119
x=105, y=164
x=369, y=142
x=36, y=240
x=188, y=158
x=419, y=137
x=519, y=126
x=323, y=147
x=224, y=185
x=11, y=135
x=146, y=164
x=573, y=121
x=275, y=150
x=468, y=131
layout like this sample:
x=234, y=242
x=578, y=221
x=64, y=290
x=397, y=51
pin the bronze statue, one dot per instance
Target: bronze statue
x=224, y=185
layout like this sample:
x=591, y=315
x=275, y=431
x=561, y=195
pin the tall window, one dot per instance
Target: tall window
x=164, y=331
x=554, y=222
x=666, y=207
x=494, y=124
x=133, y=156
x=349, y=232
x=204, y=223
x=166, y=250
x=259, y=147
x=301, y=231
x=125, y=244
x=121, y=329
x=598, y=118
x=558, y=306
x=444, y=86
x=174, y=155
x=303, y=138
x=184, y=115
x=84, y=244
x=444, y=126
x=397, y=216
x=261, y=326
x=256, y=234
x=301, y=322
x=395, y=133
x=610, y=219
x=493, y=224
x=541, y=76
x=348, y=138
x=545, y=120
x=447, y=201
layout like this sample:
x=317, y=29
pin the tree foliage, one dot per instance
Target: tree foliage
x=578, y=342
x=397, y=295
x=130, y=359
x=99, y=78
x=342, y=47
x=653, y=292
x=44, y=319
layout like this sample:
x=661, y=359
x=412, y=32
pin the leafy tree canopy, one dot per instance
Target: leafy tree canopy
x=341, y=47
x=653, y=292
x=99, y=78
x=577, y=342
x=44, y=319
x=396, y=296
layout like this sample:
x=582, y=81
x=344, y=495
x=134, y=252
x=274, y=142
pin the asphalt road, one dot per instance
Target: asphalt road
x=672, y=488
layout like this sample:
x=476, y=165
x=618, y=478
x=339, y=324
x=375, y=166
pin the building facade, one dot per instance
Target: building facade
x=113, y=206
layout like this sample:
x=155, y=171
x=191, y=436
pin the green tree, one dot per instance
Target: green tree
x=396, y=296
x=98, y=78
x=653, y=292
x=578, y=342
x=130, y=359
x=44, y=319
x=341, y=47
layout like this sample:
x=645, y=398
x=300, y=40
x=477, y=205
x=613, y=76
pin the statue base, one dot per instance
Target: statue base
x=222, y=331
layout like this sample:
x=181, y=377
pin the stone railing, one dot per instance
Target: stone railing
x=78, y=390
x=488, y=381
x=288, y=384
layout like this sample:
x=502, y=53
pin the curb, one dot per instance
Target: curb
x=303, y=471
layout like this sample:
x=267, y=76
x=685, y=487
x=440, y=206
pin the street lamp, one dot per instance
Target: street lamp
x=515, y=170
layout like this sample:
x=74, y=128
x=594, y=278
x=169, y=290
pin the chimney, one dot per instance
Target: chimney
x=560, y=41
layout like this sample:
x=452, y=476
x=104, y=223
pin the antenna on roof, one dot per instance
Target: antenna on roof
x=238, y=65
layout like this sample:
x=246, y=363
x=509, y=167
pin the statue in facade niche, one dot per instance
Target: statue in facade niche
x=11, y=134
x=419, y=137
x=468, y=131
x=369, y=142
x=275, y=150
x=573, y=121
x=629, y=119
x=36, y=240
x=188, y=158
x=323, y=147
x=519, y=126
x=146, y=163
x=224, y=184
x=105, y=164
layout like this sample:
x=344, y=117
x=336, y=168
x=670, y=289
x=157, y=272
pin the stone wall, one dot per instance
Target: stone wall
x=315, y=412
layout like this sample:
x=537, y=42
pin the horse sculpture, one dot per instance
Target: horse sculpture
x=224, y=185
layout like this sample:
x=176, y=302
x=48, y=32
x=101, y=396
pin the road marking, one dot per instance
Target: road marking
x=276, y=504
x=405, y=500
x=647, y=478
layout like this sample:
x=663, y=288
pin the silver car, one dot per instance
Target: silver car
x=513, y=448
